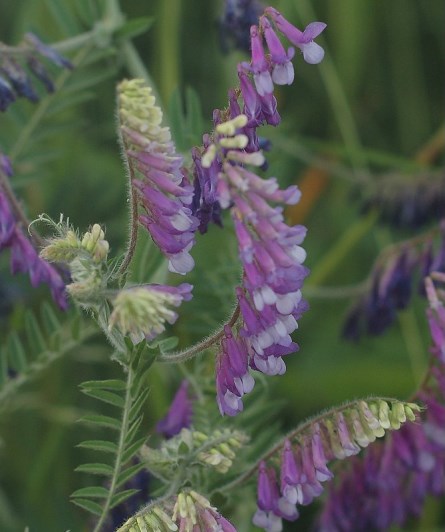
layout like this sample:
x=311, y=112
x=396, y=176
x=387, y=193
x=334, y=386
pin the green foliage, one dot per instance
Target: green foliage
x=25, y=357
x=128, y=398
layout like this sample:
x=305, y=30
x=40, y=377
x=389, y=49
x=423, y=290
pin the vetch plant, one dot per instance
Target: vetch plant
x=216, y=459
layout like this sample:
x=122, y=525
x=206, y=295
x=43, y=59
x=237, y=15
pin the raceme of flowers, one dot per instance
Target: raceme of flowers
x=24, y=257
x=303, y=468
x=409, y=463
x=391, y=285
x=14, y=79
x=162, y=186
x=270, y=296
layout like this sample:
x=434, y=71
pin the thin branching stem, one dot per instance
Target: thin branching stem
x=190, y=352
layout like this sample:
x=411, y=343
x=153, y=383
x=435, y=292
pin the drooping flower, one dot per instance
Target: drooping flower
x=142, y=311
x=179, y=415
x=233, y=379
x=162, y=187
x=313, y=53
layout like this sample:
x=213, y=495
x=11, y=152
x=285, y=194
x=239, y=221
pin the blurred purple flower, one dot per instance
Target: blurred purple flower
x=179, y=415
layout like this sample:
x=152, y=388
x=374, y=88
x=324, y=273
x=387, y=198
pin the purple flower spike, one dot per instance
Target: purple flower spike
x=313, y=53
x=179, y=415
x=164, y=191
x=283, y=70
x=233, y=379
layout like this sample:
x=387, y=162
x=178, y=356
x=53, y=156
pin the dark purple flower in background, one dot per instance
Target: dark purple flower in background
x=391, y=285
x=24, y=257
x=14, y=79
x=179, y=415
x=235, y=22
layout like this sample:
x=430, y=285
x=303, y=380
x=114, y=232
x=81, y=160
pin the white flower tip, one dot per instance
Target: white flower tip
x=313, y=53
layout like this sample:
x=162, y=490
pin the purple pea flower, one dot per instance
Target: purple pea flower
x=259, y=66
x=313, y=53
x=267, y=515
x=179, y=415
x=283, y=70
x=233, y=379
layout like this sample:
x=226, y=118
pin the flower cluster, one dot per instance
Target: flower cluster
x=304, y=466
x=24, y=257
x=216, y=450
x=162, y=186
x=188, y=512
x=86, y=258
x=270, y=298
x=408, y=201
x=254, y=98
x=391, y=285
x=14, y=80
x=409, y=463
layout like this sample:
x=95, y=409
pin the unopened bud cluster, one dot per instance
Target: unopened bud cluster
x=188, y=512
x=86, y=258
x=217, y=450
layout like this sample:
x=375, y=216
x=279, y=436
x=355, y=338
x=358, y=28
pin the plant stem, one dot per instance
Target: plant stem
x=120, y=450
x=134, y=226
x=187, y=354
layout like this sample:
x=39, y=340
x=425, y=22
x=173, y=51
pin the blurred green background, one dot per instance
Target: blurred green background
x=373, y=104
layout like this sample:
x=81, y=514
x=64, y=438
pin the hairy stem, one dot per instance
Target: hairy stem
x=187, y=354
x=134, y=226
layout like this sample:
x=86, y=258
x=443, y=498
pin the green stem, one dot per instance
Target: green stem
x=187, y=354
x=120, y=450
